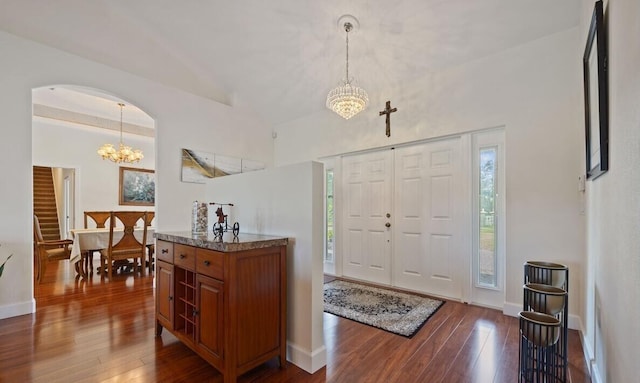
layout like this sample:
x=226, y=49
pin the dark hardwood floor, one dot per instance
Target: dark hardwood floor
x=100, y=331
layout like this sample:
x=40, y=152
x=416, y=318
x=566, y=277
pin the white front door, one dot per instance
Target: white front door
x=428, y=234
x=366, y=184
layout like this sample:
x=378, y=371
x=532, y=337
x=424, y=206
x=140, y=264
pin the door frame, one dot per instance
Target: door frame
x=467, y=293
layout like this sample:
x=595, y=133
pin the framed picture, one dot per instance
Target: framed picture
x=596, y=116
x=137, y=187
x=198, y=167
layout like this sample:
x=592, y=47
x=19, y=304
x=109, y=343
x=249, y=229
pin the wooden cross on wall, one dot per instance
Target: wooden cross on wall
x=387, y=110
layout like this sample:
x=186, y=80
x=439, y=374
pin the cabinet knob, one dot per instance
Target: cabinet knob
x=195, y=312
x=182, y=256
x=165, y=251
x=170, y=298
x=207, y=263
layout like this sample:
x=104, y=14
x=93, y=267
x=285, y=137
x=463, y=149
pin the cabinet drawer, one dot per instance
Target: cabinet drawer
x=164, y=251
x=185, y=256
x=210, y=263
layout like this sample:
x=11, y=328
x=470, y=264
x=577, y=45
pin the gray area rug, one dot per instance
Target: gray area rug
x=396, y=312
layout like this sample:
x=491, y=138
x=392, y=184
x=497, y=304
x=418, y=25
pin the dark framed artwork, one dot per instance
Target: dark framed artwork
x=596, y=114
x=137, y=187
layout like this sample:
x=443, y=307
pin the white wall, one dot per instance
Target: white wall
x=534, y=91
x=65, y=145
x=286, y=201
x=182, y=121
x=612, y=333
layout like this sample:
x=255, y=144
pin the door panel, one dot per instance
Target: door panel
x=367, y=188
x=164, y=294
x=354, y=247
x=211, y=318
x=427, y=230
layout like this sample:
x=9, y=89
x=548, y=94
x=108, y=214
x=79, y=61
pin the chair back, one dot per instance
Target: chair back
x=99, y=217
x=150, y=216
x=128, y=242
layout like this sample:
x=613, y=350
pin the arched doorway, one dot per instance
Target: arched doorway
x=69, y=124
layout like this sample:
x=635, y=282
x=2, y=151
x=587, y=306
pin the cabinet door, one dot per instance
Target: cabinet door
x=164, y=294
x=210, y=319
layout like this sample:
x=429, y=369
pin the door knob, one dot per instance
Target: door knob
x=387, y=224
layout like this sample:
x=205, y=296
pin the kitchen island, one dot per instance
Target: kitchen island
x=224, y=297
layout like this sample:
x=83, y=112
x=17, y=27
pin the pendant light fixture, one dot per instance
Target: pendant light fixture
x=124, y=153
x=347, y=100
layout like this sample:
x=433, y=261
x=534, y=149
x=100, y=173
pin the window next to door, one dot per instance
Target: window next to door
x=330, y=244
x=487, y=257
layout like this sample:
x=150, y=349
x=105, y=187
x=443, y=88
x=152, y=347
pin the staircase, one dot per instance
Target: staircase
x=44, y=203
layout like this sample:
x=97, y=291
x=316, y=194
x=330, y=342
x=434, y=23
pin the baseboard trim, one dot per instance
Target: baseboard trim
x=595, y=374
x=512, y=309
x=590, y=359
x=16, y=309
x=306, y=360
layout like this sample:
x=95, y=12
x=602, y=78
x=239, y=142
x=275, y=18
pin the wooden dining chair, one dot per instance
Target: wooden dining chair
x=151, y=249
x=48, y=251
x=99, y=219
x=127, y=247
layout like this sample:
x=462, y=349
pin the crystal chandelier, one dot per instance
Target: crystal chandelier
x=347, y=100
x=124, y=153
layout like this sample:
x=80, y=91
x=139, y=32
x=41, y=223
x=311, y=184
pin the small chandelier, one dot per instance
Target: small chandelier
x=347, y=100
x=124, y=153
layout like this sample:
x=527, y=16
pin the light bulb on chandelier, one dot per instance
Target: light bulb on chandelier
x=124, y=153
x=347, y=100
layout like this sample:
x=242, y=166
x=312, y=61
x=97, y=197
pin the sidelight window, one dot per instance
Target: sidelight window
x=330, y=243
x=487, y=240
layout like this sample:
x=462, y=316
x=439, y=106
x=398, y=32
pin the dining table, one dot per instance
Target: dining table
x=96, y=239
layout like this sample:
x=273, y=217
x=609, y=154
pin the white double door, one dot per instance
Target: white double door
x=404, y=217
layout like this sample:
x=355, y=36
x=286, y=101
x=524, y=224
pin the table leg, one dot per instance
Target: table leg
x=79, y=265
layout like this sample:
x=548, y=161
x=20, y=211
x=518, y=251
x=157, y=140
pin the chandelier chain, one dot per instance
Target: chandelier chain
x=121, y=107
x=347, y=28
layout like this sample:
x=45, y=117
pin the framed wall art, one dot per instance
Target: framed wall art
x=594, y=63
x=198, y=166
x=137, y=187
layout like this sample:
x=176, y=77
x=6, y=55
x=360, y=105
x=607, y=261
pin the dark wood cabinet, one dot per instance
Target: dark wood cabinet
x=227, y=306
x=210, y=335
x=164, y=295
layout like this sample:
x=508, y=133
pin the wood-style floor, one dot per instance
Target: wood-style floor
x=101, y=331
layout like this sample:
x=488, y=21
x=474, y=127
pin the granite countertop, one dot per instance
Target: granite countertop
x=226, y=243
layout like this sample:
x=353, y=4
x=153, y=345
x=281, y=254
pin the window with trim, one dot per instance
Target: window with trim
x=328, y=257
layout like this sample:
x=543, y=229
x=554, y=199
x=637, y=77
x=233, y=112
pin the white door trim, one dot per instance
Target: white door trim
x=483, y=295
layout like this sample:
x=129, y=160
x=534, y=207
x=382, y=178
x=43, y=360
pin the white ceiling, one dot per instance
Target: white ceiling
x=282, y=56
